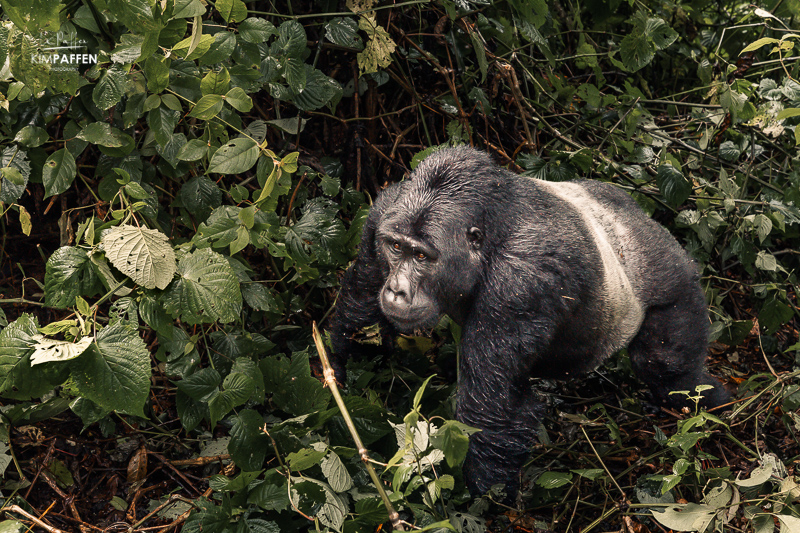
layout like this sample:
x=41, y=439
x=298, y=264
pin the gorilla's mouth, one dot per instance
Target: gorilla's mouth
x=415, y=319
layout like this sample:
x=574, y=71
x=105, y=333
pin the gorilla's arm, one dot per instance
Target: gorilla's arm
x=495, y=365
x=358, y=305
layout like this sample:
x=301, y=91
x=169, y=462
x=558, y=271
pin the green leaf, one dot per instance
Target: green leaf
x=31, y=136
x=170, y=150
x=115, y=372
x=206, y=289
x=237, y=388
x=207, y=107
x=304, y=459
x=271, y=494
x=216, y=82
x=553, y=480
x=144, y=255
x=68, y=274
x=162, y=122
x=248, y=445
x=156, y=70
x=200, y=195
x=14, y=174
x=33, y=75
x=171, y=102
x=202, y=385
x=34, y=16
x=183, y=48
x=636, y=51
x=774, y=313
x=319, y=90
x=193, y=150
x=764, y=41
x=660, y=33
x=292, y=387
x=788, y=113
x=137, y=15
x=789, y=523
x=256, y=30
x=675, y=188
x=294, y=69
x=344, y=32
x=289, y=162
x=236, y=157
x=231, y=10
x=188, y=9
x=335, y=472
x=222, y=48
x=25, y=221
x=102, y=134
x=766, y=261
x=17, y=379
x=292, y=126
x=239, y=100
x=129, y=49
x=291, y=39
x=763, y=225
x=111, y=87
x=59, y=172
x=453, y=440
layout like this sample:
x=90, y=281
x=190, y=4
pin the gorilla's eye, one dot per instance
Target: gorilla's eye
x=396, y=246
x=420, y=256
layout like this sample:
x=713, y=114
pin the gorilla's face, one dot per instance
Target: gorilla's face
x=433, y=270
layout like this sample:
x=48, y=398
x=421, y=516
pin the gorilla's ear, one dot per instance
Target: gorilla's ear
x=475, y=237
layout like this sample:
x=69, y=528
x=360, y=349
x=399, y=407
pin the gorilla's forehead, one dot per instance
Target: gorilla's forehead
x=424, y=213
x=446, y=192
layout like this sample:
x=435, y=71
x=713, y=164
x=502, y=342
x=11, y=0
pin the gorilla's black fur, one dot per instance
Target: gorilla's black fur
x=546, y=279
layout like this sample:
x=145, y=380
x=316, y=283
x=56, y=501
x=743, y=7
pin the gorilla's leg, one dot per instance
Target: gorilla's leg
x=669, y=352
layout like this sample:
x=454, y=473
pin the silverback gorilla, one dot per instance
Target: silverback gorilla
x=546, y=279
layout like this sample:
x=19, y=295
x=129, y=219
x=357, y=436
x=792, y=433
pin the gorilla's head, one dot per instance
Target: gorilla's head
x=431, y=238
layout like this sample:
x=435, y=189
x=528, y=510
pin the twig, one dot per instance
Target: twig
x=610, y=475
x=330, y=381
x=26, y=514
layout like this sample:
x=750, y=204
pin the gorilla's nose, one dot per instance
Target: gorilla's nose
x=396, y=296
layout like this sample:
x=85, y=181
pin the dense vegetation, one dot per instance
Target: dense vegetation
x=183, y=181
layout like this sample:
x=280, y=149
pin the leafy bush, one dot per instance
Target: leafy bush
x=213, y=166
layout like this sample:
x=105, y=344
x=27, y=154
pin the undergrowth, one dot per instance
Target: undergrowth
x=181, y=183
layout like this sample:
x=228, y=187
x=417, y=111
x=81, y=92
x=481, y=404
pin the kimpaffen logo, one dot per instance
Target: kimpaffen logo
x=63, y=51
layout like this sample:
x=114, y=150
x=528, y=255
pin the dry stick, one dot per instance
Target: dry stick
x=26, y=514
x=330, y=381
x=511, y=77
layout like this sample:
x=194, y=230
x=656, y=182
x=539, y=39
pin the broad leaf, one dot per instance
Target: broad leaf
x=207, y=107
x=114, y=372
x=111, y=87
x=31, y=136
x=17, y=379
x=256, y=30
x=68, y=274
x=236, y=157
x=675, y=188
x=59, y=172
x=206, y=289
x=48, y=350
x=248, y=445
x=144, y=255
x=14, y=174
x=344, y=32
